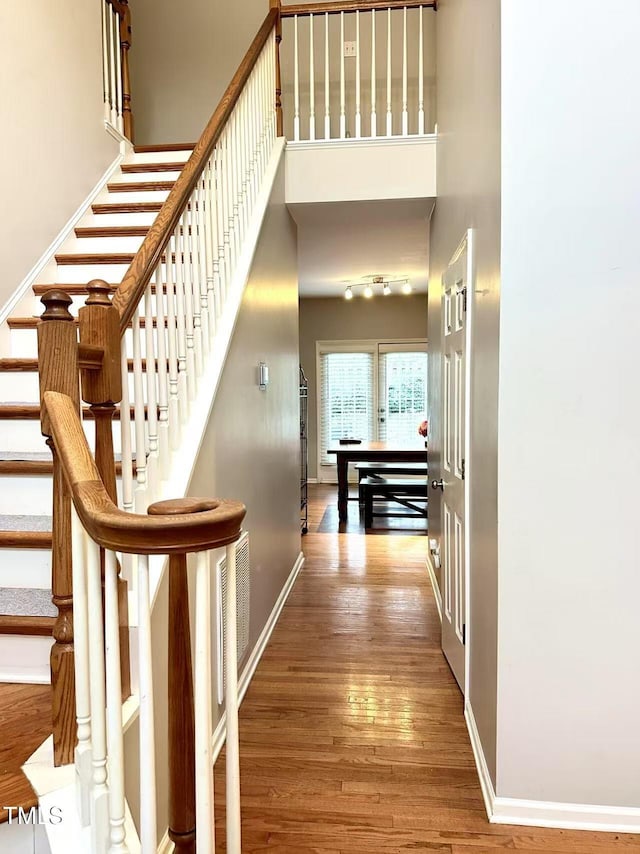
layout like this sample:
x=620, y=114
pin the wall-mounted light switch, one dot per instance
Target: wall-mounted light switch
x=350, y=49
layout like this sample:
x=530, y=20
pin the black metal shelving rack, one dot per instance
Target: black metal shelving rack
x=304, y=461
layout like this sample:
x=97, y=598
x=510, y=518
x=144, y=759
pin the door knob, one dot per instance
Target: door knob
x=437, y=484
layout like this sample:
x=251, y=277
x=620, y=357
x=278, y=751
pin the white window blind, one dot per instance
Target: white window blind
x=402, y=395
x=346, y=381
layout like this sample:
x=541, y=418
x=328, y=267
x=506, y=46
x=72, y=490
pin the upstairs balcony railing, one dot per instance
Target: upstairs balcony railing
x=116, y=81
x=358, y=68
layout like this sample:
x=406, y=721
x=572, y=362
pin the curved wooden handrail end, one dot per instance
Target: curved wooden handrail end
x=206, y=524
x=137, y=277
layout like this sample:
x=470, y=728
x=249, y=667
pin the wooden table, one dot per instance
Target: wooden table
x=383, y=452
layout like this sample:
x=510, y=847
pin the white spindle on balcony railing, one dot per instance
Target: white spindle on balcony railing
x=355, y=37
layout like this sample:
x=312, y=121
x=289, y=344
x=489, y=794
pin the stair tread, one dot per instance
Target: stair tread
x=32, y=322
x=140, y=186
x=164, y=166
x=30, y=365
x=25, y=467
x=166, y=146
x=26, y=602
x=28, y=411
x=126, y=207
x=17, y=624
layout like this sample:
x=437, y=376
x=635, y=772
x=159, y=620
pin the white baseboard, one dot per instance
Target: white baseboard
x=529, y=813
x=220, y=732
x=434, y=584
x=47, y=256
x=165, y=846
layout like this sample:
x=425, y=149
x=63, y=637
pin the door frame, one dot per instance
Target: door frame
x=468, y=243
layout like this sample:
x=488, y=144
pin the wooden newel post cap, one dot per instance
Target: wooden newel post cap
x=99, y=293
x=56, y=305
x=183, y=506
x=200, y=523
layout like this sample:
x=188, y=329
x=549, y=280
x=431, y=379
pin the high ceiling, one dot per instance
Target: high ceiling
x=340, y=243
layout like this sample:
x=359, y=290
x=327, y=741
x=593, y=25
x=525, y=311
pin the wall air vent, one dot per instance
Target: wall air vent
x=243, y=586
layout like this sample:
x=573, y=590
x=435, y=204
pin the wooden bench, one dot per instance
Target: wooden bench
x=381, y=470
x=401, y=491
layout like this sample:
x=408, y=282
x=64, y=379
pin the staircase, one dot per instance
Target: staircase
x=103, y=245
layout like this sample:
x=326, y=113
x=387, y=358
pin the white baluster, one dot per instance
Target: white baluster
x=81, y=665
x=420, y=75
x=343, y=118
x=312, y=84
x=148, y=830
x=139, y=419
x=203, y=260
x=237, y=183
x=162, y=332
x=221, y=221
x=112, y=65
x=327, y=87
x=389, y=109
x=192, y=252
x=228, y=208
x=175, y=417
x=99, y=790
x=296, y=82
x=184, y=287
x=119, y=95
x=231, y=705
x=203, y=714
x=405, y=105
x=105, y=62
x=358, y=123
x=117, y=844
x=125, y=435
x=374, y=120
x=211, y=246
x=152, y=394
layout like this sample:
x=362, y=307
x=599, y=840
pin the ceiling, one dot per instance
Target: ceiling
x=339, y=243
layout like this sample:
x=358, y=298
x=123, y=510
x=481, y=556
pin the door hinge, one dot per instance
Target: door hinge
x=463, y=294
x=462, y=470
x=464, y=634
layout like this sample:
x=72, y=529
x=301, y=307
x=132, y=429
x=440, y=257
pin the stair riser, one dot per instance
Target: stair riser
x=24, y=659
x=26, y=436
x=118, y=219
x=23, y=387
x=132, y=197
x=129, y=177
x=80, y=274
x=25, y=568
x=24, y=343
x=24, y=495
x=97, y=245
x=159, y=156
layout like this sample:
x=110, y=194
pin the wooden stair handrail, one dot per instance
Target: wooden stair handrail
x=332, y=7
x=182, y=526
x=137, y=277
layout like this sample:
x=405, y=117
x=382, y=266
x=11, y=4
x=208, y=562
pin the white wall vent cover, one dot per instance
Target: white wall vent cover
x=243, y=587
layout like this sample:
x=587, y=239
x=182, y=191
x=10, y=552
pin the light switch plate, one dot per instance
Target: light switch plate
x=349, y=49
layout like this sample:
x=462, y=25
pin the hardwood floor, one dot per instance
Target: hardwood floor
x=25, y=722
x=352, y=732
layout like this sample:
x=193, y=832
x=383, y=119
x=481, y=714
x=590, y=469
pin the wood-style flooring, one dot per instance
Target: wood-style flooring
x=352, y=732
x=25, y=722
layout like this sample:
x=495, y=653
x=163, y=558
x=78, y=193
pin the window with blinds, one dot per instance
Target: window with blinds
x=370, y=390
x=347, y=399
x=402, y=394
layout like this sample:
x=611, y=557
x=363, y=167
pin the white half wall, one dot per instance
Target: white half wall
x=54, y=144
x=569, y=456
x=361, y=169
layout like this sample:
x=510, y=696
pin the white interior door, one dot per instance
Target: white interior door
x=454, y=458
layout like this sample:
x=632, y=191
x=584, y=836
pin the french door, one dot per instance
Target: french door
x=369, y=390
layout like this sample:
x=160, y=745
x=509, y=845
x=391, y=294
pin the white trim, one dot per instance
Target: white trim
x=126, y=146
x=437, y=595
x=364, y=142
x=486, y=783
x=165, y=846
x=59, y=239
x=527, y=813
x=605, y=819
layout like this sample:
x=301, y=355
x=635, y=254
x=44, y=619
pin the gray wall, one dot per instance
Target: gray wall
x=569, y=541
x=468, y=93
x=332, y=319
x=55, y=146
x=250, y=451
